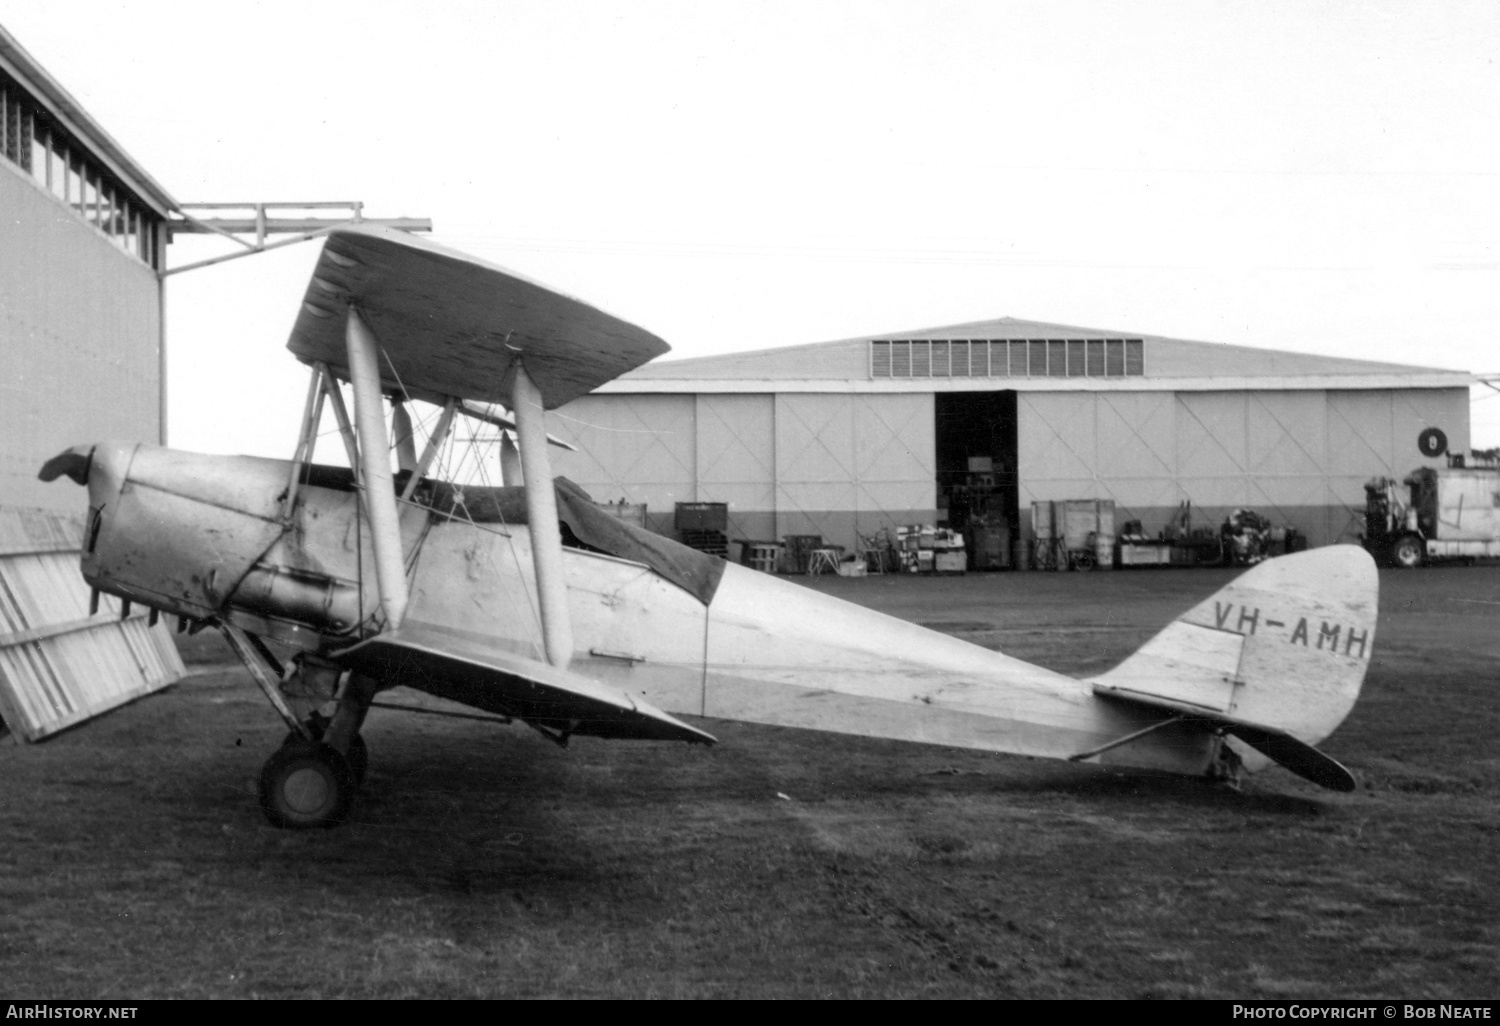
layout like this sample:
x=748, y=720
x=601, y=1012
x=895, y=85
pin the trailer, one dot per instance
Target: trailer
x=1434, y=514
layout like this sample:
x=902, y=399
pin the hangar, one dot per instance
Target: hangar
x=81, y=356
x=81, y=353
x=844, y=438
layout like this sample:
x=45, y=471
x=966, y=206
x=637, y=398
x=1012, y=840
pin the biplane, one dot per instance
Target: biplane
x=525, y=600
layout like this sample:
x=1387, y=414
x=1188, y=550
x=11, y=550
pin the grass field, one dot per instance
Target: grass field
x=484, y=862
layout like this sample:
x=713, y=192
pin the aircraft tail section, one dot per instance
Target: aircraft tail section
x=1278, y=653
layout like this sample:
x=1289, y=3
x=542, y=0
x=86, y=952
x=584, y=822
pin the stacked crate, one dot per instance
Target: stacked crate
x=797, y=552
x=990, y=548
x=763, y=556
x=702, y=525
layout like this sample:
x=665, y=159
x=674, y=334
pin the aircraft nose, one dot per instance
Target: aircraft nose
x=73, y=463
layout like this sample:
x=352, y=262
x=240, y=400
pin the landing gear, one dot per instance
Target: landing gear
x=358, y=758
x=358, y=755
x=311, y=783
x=1407, y=552
x=307, y=784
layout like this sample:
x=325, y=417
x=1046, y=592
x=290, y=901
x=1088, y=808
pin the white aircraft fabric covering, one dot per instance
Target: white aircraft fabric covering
x=694, y=572
x=1278, y=745
x=464, y=668
x=452, y=325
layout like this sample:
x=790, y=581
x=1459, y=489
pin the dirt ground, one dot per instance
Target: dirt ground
x=485, y=862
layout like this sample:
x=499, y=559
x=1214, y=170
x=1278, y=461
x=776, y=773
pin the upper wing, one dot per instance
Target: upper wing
x=452, y=325
x=467, y=670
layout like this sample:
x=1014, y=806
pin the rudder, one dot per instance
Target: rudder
x=1284, y=645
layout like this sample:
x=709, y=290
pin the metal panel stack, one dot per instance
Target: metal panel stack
x=59, y=664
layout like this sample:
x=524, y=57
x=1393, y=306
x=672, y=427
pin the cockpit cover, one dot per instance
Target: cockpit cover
x=694, y=572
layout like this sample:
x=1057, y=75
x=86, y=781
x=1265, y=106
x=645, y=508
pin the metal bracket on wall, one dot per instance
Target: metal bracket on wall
x=256, y=221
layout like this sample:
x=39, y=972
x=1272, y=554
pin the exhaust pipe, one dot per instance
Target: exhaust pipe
x=73, y=464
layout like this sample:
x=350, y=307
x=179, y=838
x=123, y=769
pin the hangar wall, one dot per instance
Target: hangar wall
x=1300, y=457
x=834, y=464
x=80, y=319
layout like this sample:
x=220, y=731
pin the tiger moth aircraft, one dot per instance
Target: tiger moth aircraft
x=528, y=602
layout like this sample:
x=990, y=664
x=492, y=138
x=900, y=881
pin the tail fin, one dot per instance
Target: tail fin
x=1283, y=647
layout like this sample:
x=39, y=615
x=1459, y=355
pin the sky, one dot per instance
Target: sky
x=1322, y=177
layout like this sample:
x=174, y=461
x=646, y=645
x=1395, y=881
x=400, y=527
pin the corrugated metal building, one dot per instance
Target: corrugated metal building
x=80, y=300
x=82, y=234
x=847, y=437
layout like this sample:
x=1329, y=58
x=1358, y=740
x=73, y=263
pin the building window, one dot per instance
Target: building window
x=1002, y=358
x=63, y=167
x=942, y=367
x=958, y=358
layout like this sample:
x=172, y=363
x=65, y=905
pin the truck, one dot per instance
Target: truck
x=1436, y=513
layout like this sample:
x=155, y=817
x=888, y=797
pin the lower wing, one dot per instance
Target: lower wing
x=471, y=671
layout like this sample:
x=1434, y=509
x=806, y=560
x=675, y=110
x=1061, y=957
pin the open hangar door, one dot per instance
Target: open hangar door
x=975, y=443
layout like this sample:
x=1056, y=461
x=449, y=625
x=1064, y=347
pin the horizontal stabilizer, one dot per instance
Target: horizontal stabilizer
x=1279, y=746
x=449, y=324
x=469, y=670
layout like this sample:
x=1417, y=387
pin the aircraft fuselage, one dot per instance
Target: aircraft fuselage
x=209, y=536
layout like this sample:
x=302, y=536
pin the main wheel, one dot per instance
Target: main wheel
x=1407, y=552
x=358, y=754
x=306, y=784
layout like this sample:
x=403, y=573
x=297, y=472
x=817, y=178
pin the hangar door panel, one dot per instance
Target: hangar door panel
x=637, y=447
x=894, y=463
x=1137, y=450
x=815, y=489
x=1211, y=447
x=1374, y=434
x=1286, y=452
x=1055, y=441
x=737, y=459
x=1415, y=410
x=1359, y=434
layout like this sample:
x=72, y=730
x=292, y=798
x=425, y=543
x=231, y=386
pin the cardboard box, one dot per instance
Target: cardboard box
x=981, y=465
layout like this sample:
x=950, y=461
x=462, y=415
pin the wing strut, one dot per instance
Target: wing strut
x=307, y=441
x=375, y=469
x=541, y=511
x=406, y=442
x=510, y=460
x=434, y=444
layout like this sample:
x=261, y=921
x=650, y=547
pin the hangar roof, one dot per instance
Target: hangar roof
x=1008, y=353
x=68, y=112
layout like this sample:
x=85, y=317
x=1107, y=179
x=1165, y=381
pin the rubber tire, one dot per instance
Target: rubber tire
x=306, y=785
x=358, y=754
x=1084, y=561
x=1408, y=552
x=1432, y=443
